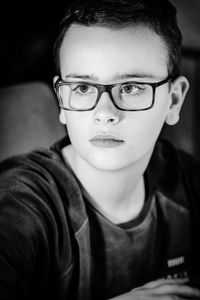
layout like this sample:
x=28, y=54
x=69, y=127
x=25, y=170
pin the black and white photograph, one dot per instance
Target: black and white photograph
x=100, y=150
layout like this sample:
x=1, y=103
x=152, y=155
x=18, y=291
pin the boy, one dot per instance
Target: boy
x=110, y=211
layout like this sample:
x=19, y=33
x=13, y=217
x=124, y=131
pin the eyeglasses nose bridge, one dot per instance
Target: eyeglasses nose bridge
x=105, y=89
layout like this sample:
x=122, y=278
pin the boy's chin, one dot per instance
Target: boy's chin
x=108, y=164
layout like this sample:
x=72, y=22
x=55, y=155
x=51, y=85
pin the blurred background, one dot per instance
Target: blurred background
x=27, y=34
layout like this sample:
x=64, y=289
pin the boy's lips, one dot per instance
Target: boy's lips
x=106, y=141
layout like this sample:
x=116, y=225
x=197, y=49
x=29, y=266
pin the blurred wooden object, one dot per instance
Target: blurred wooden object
x=28, y=118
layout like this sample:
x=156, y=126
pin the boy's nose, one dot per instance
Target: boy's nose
x=105, y=111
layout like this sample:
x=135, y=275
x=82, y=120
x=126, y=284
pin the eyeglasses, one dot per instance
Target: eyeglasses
x=127, y=96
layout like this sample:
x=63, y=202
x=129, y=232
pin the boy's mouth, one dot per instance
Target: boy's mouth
x=106, y=141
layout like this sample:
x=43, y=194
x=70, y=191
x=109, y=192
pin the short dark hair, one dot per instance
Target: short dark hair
x=158, y=15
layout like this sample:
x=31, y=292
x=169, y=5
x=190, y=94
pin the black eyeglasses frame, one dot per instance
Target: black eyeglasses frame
x=101, y=88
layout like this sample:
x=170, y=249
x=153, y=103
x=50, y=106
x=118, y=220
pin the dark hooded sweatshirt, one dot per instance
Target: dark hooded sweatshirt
x=55, y=245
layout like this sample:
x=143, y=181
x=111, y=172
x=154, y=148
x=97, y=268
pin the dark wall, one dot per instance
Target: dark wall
x=28, y=31
x=27, y=34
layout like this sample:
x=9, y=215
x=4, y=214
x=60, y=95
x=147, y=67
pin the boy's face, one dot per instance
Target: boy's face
x=106, y=56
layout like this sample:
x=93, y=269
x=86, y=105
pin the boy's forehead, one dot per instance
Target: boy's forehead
x=97, y=30
x=106, y=29
x=133, y=45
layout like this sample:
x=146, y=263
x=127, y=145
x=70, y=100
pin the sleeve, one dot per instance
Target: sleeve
x=191, y=178
x=24, y=242
x=35, y=232
x=17, y=248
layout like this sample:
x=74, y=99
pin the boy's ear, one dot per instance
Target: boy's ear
x=178, y=91
x=62, y=117
x=55, y=78
x=61, y=114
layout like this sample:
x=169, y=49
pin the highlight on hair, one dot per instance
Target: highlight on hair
x=158, y=15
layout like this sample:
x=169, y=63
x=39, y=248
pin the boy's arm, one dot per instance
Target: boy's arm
x=162, y=289
x=24, y=247
x=17, y=251
x=12, y=284
x=191, y=176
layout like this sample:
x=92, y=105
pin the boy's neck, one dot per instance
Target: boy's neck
x=118, y=195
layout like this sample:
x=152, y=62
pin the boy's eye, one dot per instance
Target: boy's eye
x=83, y=89
x=130, y=89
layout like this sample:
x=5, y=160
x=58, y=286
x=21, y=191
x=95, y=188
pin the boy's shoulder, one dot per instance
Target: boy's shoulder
x=39, y=160
x=173, y=165
x=177, y=157
x=27, y=165
x=36, y=172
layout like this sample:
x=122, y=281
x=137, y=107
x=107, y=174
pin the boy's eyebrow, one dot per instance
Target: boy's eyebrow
x=116, y=77
x=81, y=76
x=134, y=75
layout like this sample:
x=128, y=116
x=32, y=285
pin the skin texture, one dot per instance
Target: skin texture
x=106, y=56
